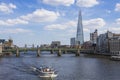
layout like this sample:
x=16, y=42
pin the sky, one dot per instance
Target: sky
x=43, y=21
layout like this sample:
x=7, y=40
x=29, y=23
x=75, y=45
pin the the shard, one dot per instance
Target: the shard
x=79, y=35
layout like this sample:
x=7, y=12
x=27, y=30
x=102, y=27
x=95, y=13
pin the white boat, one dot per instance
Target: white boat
x=45, y=72
x=117, y=58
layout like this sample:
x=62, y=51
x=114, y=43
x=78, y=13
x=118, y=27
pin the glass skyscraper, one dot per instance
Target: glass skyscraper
x=79, y=35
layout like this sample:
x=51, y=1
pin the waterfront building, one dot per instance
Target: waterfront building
x=8, y=44
x=103, y=42
x=87, y=45
x=2, y=41
x=73, y=41
x=79, y=35
x=107, y=42
x=93, y=37
x=114, y=44
x=55, y=44
x=45, y=46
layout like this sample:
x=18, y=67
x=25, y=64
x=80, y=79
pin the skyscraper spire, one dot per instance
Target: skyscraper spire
x=79, y=36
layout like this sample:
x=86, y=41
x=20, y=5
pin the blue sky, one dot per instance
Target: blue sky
x=43, y=21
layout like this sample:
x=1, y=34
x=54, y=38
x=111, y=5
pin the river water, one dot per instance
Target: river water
x=69, y=67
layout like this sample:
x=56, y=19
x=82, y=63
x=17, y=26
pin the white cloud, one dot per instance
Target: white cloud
x=94, y=23
x=87, y=25
x=41, y=15
x=7, y=8
x=61, y=26
x=56, y=26
x=87, y=3
x=59, y=2
x=11, y=22
x=118, y=21
x=115, y=29
x=117, y=7
x=72, y=31
x=14, y=31
x=86, y=30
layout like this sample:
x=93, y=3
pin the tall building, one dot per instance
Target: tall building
x=79, y=35
x=93, y=37
x=108, y=43
x=114, y=44
x=103, y=42
x=72, y=41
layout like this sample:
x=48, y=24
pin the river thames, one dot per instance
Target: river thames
x=69, y=67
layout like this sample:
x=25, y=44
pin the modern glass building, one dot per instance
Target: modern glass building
x=79, y=35
x=73, y=41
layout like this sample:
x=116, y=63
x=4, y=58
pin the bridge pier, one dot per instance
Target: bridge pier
x=77, y=53
x=65, y=51
x=52, y=51
x=1, y=50
x=38, y=52
x=59, y=52
x=17, y=52
x=25, y=50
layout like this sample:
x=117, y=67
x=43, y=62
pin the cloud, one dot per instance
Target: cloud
x=94, y=23
x=61, y=26
x=59, y=2
x=115, y=29
x=71, y=31
x=114, y=26
x=87, y=25
x=118, y=21
x=117, y=7
x=86, y=30
x=87, y=3
x=7, y=8
x=14, y=31
x=56, y=26
x=41, y=15
x=11, y=22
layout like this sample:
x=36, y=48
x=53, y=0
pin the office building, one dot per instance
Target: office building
x=73, y=41
x=79, y=35
x=108, y=42
x=93, y=37
x=55, y=44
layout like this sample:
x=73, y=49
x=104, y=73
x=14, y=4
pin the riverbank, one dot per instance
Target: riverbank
x=97, y=55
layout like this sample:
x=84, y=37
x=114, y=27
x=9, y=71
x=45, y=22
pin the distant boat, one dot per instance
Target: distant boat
x=116, y=58
x=45, y=72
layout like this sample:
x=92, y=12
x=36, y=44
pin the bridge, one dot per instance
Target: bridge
x=59, y=51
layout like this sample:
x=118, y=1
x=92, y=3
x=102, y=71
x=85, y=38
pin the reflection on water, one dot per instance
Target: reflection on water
x=48, y=78
x=68, y=66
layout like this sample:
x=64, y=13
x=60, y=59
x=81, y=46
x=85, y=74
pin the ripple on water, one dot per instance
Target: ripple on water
x=68, y=66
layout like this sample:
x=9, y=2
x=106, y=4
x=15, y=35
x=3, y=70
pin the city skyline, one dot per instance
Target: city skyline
x=44, y=21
